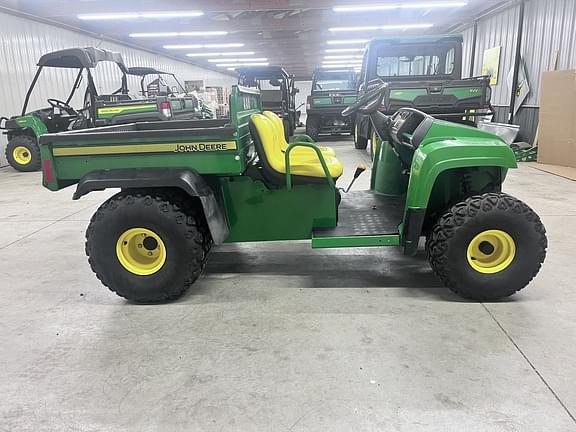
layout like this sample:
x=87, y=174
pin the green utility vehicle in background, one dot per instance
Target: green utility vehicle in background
x=424, y=73
x=332, y=91
x=277, y=92
x=98, y=109
x=155, y=83
x=189, y=184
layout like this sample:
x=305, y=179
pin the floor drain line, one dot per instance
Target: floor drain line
x=531, y=364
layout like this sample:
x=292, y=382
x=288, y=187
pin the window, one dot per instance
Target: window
x=270, y=84
x=334, y=81
x=450, y=59
x=415, y=60
x=408, y=66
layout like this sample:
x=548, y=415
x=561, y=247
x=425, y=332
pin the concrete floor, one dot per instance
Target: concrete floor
x=279, y=337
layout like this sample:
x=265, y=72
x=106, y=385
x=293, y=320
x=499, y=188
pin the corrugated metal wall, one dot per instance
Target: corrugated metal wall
x=499, y=30
x=549, y=25
x=23, y=41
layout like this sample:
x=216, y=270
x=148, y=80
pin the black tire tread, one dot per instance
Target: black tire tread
x=32, y=144
x=313, y=127
x=361, y=143
x=287, y=129
x=183, y=210
x=458, y=215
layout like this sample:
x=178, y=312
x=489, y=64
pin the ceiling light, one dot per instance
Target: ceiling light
x=198, y=46
x=385, y=27
x=220, y=54
x=348, y=56
x=417, y=5
x=240, y=60
x=342, y=62
x=177, y=34
x=136, y=15
x=348, y=41
x=338, y=66
x=235, y=65
x=337, y=50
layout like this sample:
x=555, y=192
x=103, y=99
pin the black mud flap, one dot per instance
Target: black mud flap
x=413, y=222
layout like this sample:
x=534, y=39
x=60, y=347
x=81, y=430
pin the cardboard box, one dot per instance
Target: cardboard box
x=557, y=127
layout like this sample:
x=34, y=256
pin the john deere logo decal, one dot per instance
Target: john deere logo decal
x=187, y=148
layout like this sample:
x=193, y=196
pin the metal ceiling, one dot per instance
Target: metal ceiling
x=289, y=33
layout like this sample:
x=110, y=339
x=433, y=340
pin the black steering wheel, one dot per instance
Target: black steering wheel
x=368, y=103
x=56, y=103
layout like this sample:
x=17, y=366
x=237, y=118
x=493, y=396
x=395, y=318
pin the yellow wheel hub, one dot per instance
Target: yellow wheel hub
x=22, y=155
x=141, y=251
x=491, y=251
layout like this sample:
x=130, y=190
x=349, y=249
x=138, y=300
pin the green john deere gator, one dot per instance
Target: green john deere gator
x=155, y=83
x=424, y=73
x=187, y=185
x=23, y=130
x=332, y=91
x=277, y=92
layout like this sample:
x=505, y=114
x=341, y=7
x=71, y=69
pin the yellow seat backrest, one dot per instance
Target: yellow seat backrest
x=271, y=145
x=279, y=125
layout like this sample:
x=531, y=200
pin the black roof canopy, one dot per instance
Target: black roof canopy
x=76, y=58
x=142, y=71
x=262, y=72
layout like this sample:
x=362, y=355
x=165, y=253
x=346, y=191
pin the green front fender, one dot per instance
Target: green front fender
x=30, y=121
x=433, y=158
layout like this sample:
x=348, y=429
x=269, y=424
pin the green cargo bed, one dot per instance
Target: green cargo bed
x=218, y=147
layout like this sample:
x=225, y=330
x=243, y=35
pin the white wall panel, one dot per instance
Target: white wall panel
x=468, y=36
x=23, y=41
x=549, y=25
x=499, y=30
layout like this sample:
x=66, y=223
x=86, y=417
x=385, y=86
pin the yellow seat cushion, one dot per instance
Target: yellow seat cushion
x=301, y=164
x=279, y=125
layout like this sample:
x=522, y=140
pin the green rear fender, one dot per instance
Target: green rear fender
x=432, y=159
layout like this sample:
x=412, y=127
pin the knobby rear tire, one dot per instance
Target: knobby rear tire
x=175, y=217
x=313, y=127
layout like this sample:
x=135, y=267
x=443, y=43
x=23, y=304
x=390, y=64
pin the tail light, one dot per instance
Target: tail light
x=48, y=173
x=165, y=109
x=308, y=103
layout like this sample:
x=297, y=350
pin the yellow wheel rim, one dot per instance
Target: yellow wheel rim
x=22, y=155
x=491, y=251
x=141, y=251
